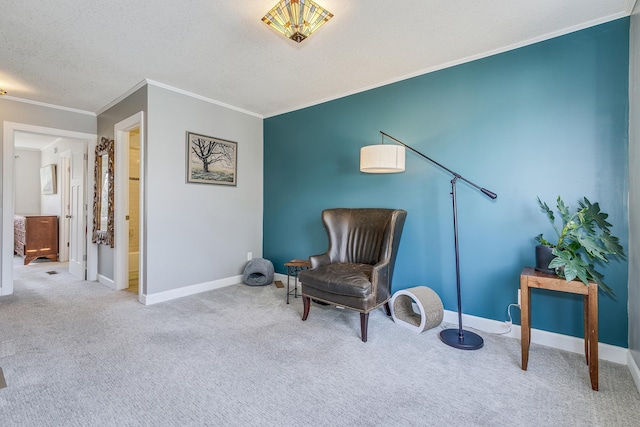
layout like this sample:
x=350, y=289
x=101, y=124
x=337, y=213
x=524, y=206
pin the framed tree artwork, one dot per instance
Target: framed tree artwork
x=48, y=179
x=211, y=160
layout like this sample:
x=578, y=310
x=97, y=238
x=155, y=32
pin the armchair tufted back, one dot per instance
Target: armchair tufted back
x=357, y=269
x=365, y=236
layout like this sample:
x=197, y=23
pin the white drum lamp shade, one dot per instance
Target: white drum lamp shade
x=389, y=159
x=382, y=158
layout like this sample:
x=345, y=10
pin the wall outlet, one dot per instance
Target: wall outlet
x=519, y=296
x=250, y=257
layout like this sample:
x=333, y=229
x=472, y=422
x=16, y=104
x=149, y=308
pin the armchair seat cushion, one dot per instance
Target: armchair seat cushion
x=356, y=270
x=348, y=279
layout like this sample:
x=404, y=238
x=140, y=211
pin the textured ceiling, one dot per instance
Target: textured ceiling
x=83, y=54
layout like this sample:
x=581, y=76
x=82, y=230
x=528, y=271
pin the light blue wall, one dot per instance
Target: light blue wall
x=544, y=120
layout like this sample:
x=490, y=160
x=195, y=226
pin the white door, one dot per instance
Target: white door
x=77, y=222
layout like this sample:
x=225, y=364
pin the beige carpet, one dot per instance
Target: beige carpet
x=78, y=354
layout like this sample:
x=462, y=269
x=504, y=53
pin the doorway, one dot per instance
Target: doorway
x=134, y=211
x=129, y=256
x=79, y=145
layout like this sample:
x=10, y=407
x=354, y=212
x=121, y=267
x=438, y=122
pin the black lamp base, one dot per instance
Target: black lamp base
x=468, y=340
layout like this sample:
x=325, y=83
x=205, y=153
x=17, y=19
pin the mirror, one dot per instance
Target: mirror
x=103, y=188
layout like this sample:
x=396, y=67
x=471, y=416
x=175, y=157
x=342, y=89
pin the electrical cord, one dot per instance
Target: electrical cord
x=510, y=321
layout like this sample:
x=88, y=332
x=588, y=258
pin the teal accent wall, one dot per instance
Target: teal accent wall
x=544, y=120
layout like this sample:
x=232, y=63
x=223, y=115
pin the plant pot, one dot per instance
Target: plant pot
x=544, y=256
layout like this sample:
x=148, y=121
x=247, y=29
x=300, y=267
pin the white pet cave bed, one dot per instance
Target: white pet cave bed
x=431, y=310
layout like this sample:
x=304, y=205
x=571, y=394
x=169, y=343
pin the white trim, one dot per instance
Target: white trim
x=9, y=129
x=107, y=282
x=92, y=248
x=460, y=61
x=65, y=196
x=607, y=352
x=55, y=141
x=631, y=4
x=28, y=149
x=44, y=104
x=121, y=257
x=121, y=97
x=189, y=290
x=633, y=368
x=203, y=98
x=180, y=91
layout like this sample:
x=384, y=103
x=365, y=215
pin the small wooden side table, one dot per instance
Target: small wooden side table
x=530, y=278
x=293, y=267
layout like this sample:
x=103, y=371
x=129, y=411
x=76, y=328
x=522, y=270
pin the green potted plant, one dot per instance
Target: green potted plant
x=583, y=240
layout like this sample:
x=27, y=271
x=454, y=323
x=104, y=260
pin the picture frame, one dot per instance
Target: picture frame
x=48, y=179
x=211, y=160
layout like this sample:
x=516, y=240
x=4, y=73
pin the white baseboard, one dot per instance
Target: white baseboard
x=189, y=290
x=607, y=352
x=633, y=368
x=281, y=277
x=106, y=281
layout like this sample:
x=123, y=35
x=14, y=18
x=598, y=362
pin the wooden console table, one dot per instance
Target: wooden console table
x=530, y=278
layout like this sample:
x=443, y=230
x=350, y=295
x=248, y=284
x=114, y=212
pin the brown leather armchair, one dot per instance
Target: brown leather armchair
x=357, y=269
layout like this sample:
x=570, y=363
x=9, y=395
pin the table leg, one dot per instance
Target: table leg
x=288, y=278
x=593, y=335
x=586, y=327
x=525, y=320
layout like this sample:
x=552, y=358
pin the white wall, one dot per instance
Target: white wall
x=197, y=233
x=634, y=188
x=27, y=181
x=12, y=111
x=51, y=204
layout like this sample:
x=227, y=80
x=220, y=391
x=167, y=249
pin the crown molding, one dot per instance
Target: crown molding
x=534, y=40
x=203, y=98
x=176, y=90
x=121, y=97
x=44, y=104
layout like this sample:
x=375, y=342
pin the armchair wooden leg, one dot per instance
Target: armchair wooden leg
x=364, y=324
x=387, y=309
x=306, y=302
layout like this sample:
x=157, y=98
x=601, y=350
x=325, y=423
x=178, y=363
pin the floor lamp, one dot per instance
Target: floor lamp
x=390, y=159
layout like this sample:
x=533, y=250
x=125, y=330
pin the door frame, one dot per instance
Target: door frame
x=121, y=256
x=65, y=209
x=8, y=137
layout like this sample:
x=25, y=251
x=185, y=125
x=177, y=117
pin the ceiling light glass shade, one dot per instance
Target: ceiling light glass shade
x=296, y=19
x=382, y=159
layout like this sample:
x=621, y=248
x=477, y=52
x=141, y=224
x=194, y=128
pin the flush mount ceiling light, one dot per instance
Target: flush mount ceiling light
x=296, y=19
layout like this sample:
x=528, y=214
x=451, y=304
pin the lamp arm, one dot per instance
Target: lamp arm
x=486, y=192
